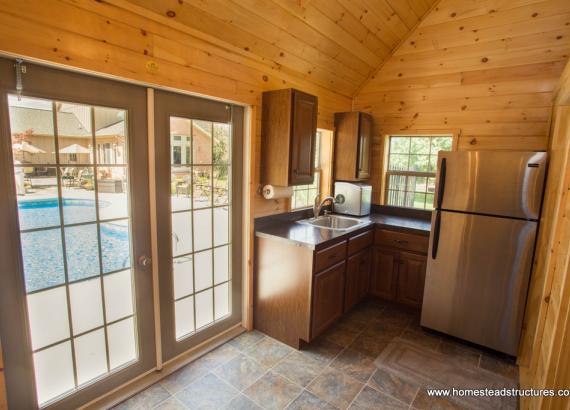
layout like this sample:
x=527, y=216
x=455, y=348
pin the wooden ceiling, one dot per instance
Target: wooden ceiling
x=335, y=44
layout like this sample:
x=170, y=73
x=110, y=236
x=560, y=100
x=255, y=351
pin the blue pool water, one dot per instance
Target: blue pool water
x=42, y=250
x=41, y=213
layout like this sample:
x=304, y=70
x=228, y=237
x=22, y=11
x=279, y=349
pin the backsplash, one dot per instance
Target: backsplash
x=398, y=211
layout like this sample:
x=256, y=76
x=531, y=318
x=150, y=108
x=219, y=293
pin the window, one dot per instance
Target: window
x=410, y=175
x=177, y=155
x=304, y=195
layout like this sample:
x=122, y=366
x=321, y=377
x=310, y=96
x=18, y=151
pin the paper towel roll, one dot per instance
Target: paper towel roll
x=275, y=192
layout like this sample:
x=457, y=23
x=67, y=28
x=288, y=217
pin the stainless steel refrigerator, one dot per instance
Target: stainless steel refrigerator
x=484, y=226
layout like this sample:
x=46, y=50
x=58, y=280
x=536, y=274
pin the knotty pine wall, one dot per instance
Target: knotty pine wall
x=487, y=68
x=545, y=351
x=117, y=38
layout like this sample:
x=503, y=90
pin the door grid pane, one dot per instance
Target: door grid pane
x=71, y=177
x=200, y=198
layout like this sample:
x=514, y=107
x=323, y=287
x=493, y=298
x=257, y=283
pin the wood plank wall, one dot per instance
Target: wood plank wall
x=545, y=350
x=117, y=38
x=486, y=67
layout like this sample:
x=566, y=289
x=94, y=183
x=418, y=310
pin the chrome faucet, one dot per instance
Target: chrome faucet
x=317, y=208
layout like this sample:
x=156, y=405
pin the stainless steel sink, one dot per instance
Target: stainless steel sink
x=334, y=222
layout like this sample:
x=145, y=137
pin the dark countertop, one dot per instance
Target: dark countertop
x=314, y=237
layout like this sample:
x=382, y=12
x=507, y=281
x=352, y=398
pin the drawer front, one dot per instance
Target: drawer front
x=401, y=240
x=360, y=242
x=329, y=256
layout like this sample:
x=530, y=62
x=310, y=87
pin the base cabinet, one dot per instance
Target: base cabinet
x=328, y=289
x=357, y=278
x=399, y=267
x=300, y=292
x=385, y=273
x=411, y=279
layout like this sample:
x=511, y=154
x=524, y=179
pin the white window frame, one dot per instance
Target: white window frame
x=385, y=185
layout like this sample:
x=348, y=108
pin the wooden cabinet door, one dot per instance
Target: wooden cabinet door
x=411, y=278
x=364, y=266
x=364, y=145
x=346, y=145
x=304, y=131
x=352, y=284
x=384, y=273
x=357, y=282
x=328, y=295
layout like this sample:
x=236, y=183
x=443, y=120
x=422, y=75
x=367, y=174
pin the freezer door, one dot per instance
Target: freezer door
x=492, y=182
x=476, y=285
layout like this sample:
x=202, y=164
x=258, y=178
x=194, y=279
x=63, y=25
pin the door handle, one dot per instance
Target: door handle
x=440, y=192
x=145, y=261
x=436, y=229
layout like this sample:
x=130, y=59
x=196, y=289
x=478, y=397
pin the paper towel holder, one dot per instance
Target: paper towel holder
x=277, y=192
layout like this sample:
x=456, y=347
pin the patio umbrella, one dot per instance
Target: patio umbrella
x=75, y=149
x=27, y=147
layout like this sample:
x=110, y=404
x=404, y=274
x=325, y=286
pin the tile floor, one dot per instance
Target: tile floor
x=337, y=371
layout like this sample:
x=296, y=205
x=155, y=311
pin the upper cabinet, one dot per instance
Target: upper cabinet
x=353, y=141
x=288, y=133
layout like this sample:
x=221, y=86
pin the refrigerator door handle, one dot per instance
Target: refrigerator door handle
x=436, y=228
x=442, y=171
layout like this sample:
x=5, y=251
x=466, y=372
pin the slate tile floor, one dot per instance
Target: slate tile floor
x=254, y=371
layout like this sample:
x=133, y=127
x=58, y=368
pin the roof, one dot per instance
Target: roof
x=117, y=128
x=40, y=122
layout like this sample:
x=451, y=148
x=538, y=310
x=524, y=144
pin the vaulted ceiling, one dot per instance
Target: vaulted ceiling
x=336, y=44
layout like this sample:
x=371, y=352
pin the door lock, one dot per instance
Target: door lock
x=145, y=261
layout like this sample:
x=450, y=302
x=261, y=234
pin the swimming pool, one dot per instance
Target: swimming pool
x=42, y=249
x=41, y=213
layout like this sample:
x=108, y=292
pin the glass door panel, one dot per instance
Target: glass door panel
x=75, y=238
x=199, y=187
x=198, y=230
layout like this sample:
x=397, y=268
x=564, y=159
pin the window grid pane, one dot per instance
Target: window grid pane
x=412, y=161
x=206, y=196
x=65, y=244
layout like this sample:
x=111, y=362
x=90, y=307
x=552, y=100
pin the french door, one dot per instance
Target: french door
x=76, y=315
x=199, y=189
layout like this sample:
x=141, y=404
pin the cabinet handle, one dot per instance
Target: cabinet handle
x=400, y=241
x=332, y=256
